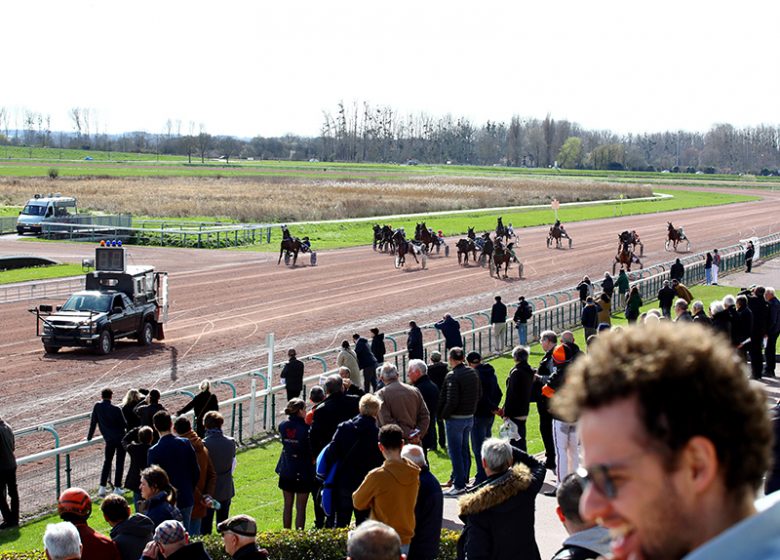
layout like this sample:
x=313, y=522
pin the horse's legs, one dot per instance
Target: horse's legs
x=281, y=252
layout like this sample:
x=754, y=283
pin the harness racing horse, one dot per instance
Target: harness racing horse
x=631, y=237
x=383, y=237
x=502, y=231
x=466, y=246
x=557, y=233
x=404, y=247
x=676, y=236
x=503, y=256
x=625, y=258
x=485, y=244
x=290, y=246
x=427, y=237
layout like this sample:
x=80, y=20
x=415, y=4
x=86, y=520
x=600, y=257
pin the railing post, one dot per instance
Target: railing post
x=49, y=428
x=235, y=394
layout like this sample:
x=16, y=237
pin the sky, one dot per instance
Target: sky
x=257, y=67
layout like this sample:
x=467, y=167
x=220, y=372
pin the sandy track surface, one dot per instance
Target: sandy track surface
x=223, y=303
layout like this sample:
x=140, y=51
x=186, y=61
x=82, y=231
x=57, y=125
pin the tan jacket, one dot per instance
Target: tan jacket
x=348, y=358
x=390, y=492
x=605, y=313
x=403, y=404
x=208, y=476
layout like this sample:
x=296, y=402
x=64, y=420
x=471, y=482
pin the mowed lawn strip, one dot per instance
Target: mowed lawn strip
x=257, y=493
x=40, y=273
x=350, y=234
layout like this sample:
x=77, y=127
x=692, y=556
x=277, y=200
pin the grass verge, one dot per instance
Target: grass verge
x=350, y=234
x=257, y=493
x=40, y=273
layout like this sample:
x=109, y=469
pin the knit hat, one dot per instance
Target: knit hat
x=169, y=532
x=240, y=525
x=561, y=354
x=473, y=357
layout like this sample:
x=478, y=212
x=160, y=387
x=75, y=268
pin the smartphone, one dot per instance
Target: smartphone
x=414, y=433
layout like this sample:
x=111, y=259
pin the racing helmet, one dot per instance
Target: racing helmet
x=75, y=501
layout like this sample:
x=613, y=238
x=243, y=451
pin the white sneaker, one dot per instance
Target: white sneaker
x=454, y=491
x=102, y=492
x=119, y=490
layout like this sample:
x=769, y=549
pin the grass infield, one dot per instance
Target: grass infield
x=40, y=273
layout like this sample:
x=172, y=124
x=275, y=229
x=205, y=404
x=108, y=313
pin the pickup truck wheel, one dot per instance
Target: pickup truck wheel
x=146, y=336
x=104, y=343
x=51, y=349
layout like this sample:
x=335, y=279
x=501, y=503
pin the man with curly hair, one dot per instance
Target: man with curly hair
x=676, y=443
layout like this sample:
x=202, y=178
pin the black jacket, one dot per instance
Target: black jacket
x=498, y=313
x=460, y=394
x=131, y=536
x=437, y=372
x=378, y=347
x=584, y=289
x=364, y=356
x=192, y=551
x=760, y=310
x=518, y=391
x=677, y=271
x=354, y=447
x=110, y=419
x=499, y=514
x=203, y=402
x=428, y=514
x=590, y=315
x=491, y=392
x=742, y=327
x=430, y=395
x=450, y=330
x=773, y=326
x=773, y=477
x=523, y=312
x=292, y=373
x=138, y=453
x=131, y=418
x=146, y=412
x=250, y=552
x=721, y=322
x=331, y=412
x=701, y=318
x=666, y=297
x=608, y=286
x=414, y=344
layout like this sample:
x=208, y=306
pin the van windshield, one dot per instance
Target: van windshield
x=88, y=302
x=34, y=210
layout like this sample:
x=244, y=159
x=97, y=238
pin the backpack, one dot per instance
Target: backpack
x=326, y=472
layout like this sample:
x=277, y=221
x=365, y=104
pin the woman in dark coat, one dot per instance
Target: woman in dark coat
x=378, y=345
x=137, y=443
x=132, y=399
x=721, y=320
x=633, y=305
x=159, y=496
x=203, y=402
x=414, y=344
x=518, y=394
x=296, y=466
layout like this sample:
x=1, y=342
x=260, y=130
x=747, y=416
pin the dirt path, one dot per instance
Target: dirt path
x=225, y=302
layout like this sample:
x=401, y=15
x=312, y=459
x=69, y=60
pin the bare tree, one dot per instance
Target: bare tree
x=203, y=143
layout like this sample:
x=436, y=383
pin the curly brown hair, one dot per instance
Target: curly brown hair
x=688, y=382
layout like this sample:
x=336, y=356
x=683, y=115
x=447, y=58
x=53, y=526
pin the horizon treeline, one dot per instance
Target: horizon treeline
x=361, y=132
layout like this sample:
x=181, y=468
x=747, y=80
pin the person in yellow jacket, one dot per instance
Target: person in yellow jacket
x=390, y=491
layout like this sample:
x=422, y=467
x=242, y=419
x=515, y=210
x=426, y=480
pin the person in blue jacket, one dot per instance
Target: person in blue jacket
x=295, y=467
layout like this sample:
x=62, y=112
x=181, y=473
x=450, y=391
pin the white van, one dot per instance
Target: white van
x=50, y=208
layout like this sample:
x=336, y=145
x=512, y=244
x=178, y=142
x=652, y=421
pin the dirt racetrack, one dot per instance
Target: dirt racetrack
x=223, y=303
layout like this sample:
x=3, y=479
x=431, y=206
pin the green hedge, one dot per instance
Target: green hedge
x=315, y=544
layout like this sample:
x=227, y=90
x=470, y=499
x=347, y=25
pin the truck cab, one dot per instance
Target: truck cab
x=40, y=208
x=118, y=301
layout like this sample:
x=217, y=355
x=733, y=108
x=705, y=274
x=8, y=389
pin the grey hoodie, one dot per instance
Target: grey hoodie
x=131, y=536
x=595, y=539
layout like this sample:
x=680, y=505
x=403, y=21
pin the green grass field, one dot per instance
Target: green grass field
x=349, y=234
x=35, y=162
x=257, y=493
x=40, y=273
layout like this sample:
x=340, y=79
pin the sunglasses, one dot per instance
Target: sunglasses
x=599, y=477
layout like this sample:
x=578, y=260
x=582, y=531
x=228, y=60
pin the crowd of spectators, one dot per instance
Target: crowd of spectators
x=360, y=451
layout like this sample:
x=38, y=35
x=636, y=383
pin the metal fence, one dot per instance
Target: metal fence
x=165, y=234
x=252, y=402
x=40, y=290
x=8, y=224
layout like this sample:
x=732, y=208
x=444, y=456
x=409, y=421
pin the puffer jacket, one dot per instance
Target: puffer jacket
x=499, y=515
x=460, y=394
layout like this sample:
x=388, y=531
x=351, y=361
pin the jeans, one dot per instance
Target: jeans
x=441, y=433
x=522, y=334
x=771, y=355
x=708, y=276
x=545, y=430
x=483, y=428
x=458, y=432
x=369, y=379
x=222, y=514
x=195, y=525
x=111, y=448
x=186, y=517
x=8, y=488
x=522, y=442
